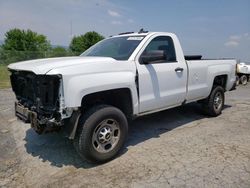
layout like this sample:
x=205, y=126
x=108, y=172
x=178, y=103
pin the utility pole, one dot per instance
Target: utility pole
x=71, y=34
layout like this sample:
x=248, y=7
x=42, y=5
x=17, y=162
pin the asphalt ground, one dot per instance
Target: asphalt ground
x=179, y=147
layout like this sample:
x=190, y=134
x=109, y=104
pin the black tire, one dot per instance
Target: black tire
x=96, y=133
x=243, y=80
x=213, y=105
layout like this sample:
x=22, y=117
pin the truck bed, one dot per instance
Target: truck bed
x=202, y=73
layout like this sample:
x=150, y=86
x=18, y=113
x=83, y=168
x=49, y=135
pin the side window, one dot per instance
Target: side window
x=165, y=44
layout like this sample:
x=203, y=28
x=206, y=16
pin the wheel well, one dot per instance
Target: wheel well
x=120, y=98
x=220, y=81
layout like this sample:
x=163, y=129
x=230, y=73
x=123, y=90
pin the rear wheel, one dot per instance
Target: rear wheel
x=243, y=79
x=213, y=105
x=101, y=133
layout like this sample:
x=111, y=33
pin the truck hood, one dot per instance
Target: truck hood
x=42, y=66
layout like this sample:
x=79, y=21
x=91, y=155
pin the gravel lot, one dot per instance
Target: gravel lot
x=174, y=148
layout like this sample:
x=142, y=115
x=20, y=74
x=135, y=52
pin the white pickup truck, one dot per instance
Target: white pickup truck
x=93, y=96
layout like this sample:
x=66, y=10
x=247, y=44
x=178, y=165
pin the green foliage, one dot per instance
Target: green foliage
x=22, y=40
x=11, y=56
x=23, y=45
x=81, y=43
x=58, y=52
x=20, y=45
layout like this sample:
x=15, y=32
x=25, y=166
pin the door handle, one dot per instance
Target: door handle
x=179, y=69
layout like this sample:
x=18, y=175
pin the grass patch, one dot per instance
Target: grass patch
x=4, y=77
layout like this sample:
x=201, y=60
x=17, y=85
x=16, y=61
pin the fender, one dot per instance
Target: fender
x=221, y=69
x=83, y=85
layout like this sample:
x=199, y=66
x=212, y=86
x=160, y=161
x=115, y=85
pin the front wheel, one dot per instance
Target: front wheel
x=213, y=105
x=101, y=133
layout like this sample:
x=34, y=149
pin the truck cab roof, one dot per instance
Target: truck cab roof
x=129, y=34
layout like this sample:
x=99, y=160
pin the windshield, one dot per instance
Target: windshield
x=119, y=48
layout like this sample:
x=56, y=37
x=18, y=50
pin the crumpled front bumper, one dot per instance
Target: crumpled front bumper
x=40, y=126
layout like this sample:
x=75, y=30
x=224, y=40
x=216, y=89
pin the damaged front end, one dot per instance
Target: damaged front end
x=39, y=100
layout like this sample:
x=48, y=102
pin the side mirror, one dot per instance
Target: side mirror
x=152, y=56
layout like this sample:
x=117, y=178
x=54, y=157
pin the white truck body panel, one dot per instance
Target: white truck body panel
x=166, y=88
x=83, y=79
x=42, y=66
x=202, y=74
x=159, y=85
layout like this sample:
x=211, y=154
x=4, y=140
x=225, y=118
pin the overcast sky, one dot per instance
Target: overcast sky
x=214, y=28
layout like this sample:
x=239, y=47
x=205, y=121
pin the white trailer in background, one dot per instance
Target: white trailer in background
x=243, y=73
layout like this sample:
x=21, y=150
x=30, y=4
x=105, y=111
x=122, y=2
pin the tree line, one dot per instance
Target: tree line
x=20, y=45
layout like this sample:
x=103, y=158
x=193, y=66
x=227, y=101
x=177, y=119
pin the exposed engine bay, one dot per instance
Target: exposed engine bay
x=38, y=100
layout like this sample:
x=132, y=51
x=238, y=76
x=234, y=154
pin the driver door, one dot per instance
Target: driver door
x=162, y=82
